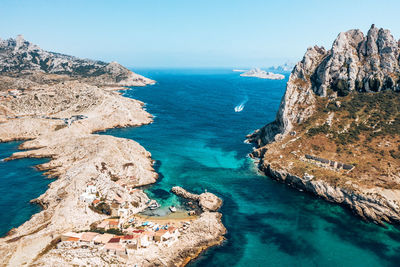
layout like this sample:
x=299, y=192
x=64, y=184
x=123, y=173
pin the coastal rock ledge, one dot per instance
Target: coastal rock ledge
x=336, y=133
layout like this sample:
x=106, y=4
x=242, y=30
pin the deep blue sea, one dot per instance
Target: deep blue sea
x=19, y=183
x=197, y=141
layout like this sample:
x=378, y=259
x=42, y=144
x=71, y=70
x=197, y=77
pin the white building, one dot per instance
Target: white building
x=86, y=197
x=123, y=212
x=91, y=189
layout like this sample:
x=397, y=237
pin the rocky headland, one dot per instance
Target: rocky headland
x=336, y=133
x=57, y=103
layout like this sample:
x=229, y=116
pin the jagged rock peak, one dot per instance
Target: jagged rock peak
x=356, y=62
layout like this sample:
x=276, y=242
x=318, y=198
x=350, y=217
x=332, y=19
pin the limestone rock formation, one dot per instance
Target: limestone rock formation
x=18, y=56
x=356, y=62
x=341, y=104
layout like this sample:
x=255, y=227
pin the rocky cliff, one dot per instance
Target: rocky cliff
x=356, y=62
x=341, y=104
x=18, y=56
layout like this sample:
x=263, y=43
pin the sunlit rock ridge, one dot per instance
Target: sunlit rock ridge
x=356, y=62
x=19, y=55
x=336, y=133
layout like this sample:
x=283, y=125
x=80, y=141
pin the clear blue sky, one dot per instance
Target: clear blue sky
x=189, y=33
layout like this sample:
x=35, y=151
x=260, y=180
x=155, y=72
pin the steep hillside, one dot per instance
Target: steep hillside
x=22, y=59
x=336, y=133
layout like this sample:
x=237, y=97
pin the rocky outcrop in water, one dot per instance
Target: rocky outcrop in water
x=18, y=56
x=207, y=201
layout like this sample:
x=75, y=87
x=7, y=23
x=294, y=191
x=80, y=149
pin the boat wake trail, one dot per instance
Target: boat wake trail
x=240, y=107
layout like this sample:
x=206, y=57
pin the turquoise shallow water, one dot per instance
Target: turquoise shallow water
x=197, y=141
x=19, y=183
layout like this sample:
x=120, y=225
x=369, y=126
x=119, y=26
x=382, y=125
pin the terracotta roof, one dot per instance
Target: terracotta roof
x=113, y=222
x=160, y=232
x=73, y=239
x=137, y=231
x=114, y=240
x=96, y=201
x=171, y=229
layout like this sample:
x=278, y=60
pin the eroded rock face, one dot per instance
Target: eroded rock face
x=18, y=55
x=354, y=63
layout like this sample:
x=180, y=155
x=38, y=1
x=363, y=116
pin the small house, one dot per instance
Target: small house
x=66, y=236
x=91, y=189
x=103, y=225
x=102, y=239
x=87, y=197
x=113, y=225
x=88, y=237
x=161, y=235
x=146, y=238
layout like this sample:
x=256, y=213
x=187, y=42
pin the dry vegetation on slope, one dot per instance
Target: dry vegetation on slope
x=358, y=129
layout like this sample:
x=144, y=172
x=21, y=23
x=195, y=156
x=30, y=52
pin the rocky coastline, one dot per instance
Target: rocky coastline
x=324, y=112
x=57, y=112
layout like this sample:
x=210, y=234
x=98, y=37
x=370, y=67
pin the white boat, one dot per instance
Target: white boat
x=172, y=209
x=154, y=205
x=239, y=108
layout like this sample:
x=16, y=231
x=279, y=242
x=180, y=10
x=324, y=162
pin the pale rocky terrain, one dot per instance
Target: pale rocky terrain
x=78, y=157
x=56, y=103
x=258, y=73
x=19, y=57
x=323, y=114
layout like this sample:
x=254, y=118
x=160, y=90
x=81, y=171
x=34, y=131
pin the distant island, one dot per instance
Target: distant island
x=336, y=133
x=288, y=66
x=258, y=73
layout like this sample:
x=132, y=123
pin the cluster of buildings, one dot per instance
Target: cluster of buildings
x=118, y=206
x=126, y=244
x=90, y=194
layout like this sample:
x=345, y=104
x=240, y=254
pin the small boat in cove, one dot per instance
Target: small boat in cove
x=172, y=209
x=154, y=205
